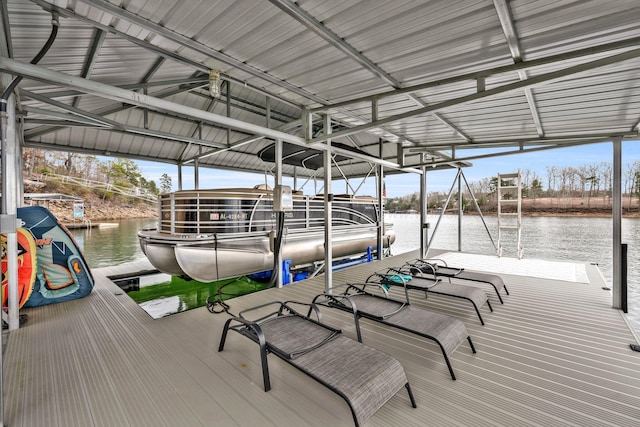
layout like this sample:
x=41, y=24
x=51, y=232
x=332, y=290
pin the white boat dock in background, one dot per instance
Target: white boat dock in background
x=555, y=353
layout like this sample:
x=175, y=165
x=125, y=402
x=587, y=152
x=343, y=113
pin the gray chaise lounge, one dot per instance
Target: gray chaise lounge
x=447, y=331
x=439, y=268
x=364, y=377
x=413, y=278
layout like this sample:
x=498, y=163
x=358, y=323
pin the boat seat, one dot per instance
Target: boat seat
x=364, y=377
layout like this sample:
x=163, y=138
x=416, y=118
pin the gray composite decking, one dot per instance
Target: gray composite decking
x=554, y=354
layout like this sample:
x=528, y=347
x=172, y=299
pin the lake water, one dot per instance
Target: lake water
x=561, y=238
x=104, y=247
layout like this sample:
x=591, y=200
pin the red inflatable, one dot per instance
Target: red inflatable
x=27, y=265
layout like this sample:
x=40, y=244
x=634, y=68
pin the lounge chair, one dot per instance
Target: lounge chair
x=364, y=377
x=439, y=268
x=447, y=331
x=413, y=278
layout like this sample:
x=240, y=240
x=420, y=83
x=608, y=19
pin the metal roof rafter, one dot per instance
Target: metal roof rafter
x=632, y=42
x=70, y=117
x=43, y=130
x=203, y=49
x=189, y=43
x=511, y=87
x=523, y=142
x=91, y=58
x=120, y=127
x=194, y=45
x=158, y=50
x=520, y=150
x=106, y=91
x=302, y=16
x=299, y=14
x=509, y=28
x=131, y=86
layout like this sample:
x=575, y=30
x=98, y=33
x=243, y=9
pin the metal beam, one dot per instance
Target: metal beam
x=300, y=15
x=509, y=28
x=158, y=50
x=520, y=141
x=189, y=43
x=106, y=91
x=310, y=22
x=112, y=109
x=63, y=116
x=507, y=88
x=632, y=42
x=120, y=127
x=205, y=50
x=192, y=44
x=328, y=217
x=458, y=160
x=91, y=58
x=69, y=93
x=616, y=232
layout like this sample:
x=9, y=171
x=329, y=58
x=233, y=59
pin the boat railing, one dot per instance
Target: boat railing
x=206, y=212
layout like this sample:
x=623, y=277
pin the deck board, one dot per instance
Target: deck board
x=555, y=353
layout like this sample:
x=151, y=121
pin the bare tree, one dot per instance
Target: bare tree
x=606, y=172
x=552, y=172
x=631, y=175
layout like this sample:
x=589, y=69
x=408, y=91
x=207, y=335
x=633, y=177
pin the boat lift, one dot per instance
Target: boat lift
x=459, y=178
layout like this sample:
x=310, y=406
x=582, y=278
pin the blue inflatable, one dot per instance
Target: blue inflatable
x=62, y=273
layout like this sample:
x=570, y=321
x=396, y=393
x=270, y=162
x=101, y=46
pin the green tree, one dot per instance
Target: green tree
x=536, y=188
x=165, y=183
x=122, y=172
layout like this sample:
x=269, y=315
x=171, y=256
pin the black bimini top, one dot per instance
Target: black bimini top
x=308, y=158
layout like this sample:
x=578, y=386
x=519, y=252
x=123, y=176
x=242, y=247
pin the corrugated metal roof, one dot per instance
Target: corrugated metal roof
x=317, y=53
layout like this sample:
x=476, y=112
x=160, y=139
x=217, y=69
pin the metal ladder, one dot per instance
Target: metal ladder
x=510, y=210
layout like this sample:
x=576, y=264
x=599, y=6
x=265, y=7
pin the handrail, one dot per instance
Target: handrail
x=204, y=212
x=136, y=192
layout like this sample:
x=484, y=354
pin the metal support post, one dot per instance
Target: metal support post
x=623, y=278
x=381, y=195
x=459, y=210
x=424, y=236
x=278, y=182
x=380, y=190
x=328, y=217
x=617, y=222
x=10, y=179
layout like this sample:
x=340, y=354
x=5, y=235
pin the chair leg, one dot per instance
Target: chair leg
x=265, y=368
x=489, y=304
x=446, y=359
x=356, y=319
x=473, y=348
x=413, y=400
x=506, y=290
x=223, y=338
x=499, y=296
x=478, y=312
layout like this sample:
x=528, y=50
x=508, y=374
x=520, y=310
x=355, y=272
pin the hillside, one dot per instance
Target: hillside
x=96, y=208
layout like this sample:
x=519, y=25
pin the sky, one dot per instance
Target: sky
x=406, y=184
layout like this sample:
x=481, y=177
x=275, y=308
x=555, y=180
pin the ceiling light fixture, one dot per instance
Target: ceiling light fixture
x=214, y=83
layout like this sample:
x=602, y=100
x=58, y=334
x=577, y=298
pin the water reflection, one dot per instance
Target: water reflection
x=113, y=244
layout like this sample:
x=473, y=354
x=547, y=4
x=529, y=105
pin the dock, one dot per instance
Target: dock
x=554, y=354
